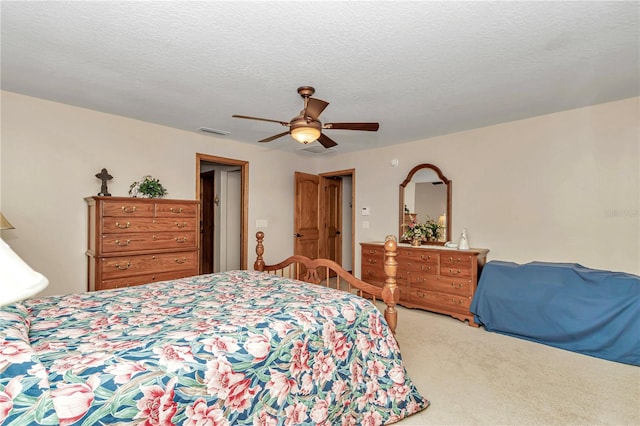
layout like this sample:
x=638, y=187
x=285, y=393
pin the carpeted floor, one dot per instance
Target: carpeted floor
x=474, y=377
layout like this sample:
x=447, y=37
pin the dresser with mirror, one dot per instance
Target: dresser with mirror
x=430, y=276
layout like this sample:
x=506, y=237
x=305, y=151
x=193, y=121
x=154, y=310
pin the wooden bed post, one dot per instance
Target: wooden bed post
x=390, y=293
x=258, y=265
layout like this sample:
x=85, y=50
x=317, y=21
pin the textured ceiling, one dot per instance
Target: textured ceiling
x=421, y=69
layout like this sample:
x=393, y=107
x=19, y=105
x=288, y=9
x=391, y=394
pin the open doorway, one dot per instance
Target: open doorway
x=222, y=189
x=338, y=216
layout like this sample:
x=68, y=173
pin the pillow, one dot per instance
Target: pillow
x=17, y=280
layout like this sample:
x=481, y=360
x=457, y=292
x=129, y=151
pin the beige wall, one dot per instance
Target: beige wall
x=562, y=187
x=50, y=152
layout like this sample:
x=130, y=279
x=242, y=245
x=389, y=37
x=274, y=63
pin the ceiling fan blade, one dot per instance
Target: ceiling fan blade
x=279, y=135
x=315, y=108
x=370, y=127
x=284, y=123
x=326, y=141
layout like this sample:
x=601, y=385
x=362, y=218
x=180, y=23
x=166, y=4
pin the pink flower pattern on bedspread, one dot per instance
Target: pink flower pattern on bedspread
x=233, y=348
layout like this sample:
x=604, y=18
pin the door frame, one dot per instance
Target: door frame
x=244, y=197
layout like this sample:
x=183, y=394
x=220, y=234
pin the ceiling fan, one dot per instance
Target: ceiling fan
x=306, y=128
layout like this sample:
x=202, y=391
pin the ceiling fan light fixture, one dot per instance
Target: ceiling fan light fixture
x=306, y=127
x=305, y=134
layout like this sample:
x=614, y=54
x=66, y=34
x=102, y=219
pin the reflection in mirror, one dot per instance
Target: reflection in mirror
x=426, y=194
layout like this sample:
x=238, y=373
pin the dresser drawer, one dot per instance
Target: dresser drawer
x=127, y=208
x=457, y=260
x=144, y=279
x=175, y=210
x=115, y=243
x=414, y=266
x=402, y=277
x=372, y=251
x=439, y=301
x=456, y=271
x=121, y=225
x=125, y=266
x=457, y=286
x=372, y=274
x=418, y=255
x=373, y=261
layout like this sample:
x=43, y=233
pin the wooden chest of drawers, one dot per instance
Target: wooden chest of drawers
x=432, y=278
x=135, y=241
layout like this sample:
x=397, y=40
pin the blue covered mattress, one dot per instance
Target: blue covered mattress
x=565, y=305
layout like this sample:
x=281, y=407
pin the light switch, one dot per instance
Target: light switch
x=365, y=211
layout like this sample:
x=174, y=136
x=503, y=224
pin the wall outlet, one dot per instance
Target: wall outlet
x=261, y=223
x=365, y=224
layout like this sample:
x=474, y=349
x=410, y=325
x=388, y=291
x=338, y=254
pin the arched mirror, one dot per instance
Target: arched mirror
x=426, y=194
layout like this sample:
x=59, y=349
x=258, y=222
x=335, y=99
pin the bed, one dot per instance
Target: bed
x=566, y=305
x=255, y=347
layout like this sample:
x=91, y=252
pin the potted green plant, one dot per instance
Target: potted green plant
x=148, y=187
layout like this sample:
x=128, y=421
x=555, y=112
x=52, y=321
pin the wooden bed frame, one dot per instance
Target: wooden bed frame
x=316, y=270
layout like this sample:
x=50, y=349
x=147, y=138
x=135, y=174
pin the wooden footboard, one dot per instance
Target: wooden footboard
x=329, y=273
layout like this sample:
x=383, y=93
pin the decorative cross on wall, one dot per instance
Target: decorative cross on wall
x=104, y=176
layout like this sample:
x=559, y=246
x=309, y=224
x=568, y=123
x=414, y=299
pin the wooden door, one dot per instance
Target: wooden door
x=332, y=218
x=306, y=215
x=207, y=188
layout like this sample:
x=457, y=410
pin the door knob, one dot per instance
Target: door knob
x=337, y=232
x=297, y=235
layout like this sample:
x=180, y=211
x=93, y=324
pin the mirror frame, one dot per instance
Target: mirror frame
x=404, y=184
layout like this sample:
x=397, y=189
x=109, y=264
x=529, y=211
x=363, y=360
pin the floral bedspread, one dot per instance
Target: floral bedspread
x=238, y=347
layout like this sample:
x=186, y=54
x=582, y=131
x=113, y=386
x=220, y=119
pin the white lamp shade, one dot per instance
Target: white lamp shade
x=17, y=280
x=305, y=135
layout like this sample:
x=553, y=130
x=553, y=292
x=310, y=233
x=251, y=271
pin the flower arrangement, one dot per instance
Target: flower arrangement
x=428, y=230
x=149, y=187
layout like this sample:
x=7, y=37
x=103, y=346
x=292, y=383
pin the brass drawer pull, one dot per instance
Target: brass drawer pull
x=181, y=240
x=184, y=260
x=372, y=261
x=456, y=302
x=184, y=224
x=176, y=211
x=452, y=271
x=117, y=265
x=423, y=268
x=423, y=257
x=126, y=243
x=128, y=209
x=373, y=251
x=456, y=285
x=123, y=226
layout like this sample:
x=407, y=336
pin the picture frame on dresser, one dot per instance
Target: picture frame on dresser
x=134, y=241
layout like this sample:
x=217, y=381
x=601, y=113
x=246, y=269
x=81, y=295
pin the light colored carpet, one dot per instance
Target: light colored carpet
x=474, y=377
